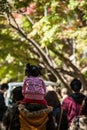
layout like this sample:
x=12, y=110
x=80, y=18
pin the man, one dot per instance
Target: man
x=25, y=116
x=11, y=116
x=3, y=107
x=73, y=102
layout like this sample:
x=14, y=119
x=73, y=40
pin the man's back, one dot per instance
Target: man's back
x=19, y=117
x=72, y=105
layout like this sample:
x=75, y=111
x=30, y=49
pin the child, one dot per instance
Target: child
x=34, y=88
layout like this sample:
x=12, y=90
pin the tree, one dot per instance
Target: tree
x=50, y=31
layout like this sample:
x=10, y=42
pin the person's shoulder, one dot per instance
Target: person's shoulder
x=68, y=102
x=12, y=110
x=68, y=99
x=83, y=96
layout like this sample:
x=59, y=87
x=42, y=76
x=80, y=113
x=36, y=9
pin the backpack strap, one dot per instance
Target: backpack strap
x=61, y=112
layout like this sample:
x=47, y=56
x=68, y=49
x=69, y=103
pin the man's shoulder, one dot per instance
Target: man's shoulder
x=68, y=99
x=12, y=109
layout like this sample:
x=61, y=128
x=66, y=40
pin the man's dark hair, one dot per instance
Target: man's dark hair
x=17, y=94
x=76, y=85
x=3, y=86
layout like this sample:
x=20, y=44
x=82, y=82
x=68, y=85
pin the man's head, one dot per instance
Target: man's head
x=17, y=94
x=4, y=87
x=76, y=85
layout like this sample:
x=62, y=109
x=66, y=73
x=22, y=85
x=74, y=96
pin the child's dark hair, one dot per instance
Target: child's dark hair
x=52, y=99
x=32, y=70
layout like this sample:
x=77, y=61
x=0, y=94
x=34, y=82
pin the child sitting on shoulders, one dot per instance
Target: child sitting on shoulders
x=34, y=88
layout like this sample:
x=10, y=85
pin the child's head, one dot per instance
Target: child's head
x=52, y=99
x=32, y=70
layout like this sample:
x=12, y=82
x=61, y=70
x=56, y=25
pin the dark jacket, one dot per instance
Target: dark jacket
x=72, y=105
x=2, y=106
x=13, y=117
x=64, y=121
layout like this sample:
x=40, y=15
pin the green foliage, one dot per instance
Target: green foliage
x=4, y=6
x=51, y=23
x=19, y=4
x=85, y=74
x=73, y=4
x=46, y=28
x=26, y=25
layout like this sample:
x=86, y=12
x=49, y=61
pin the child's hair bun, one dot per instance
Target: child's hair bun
x=32, y=70
x=28, y=65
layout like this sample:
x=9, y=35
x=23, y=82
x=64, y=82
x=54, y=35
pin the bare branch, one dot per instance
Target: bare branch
x=30, y=20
